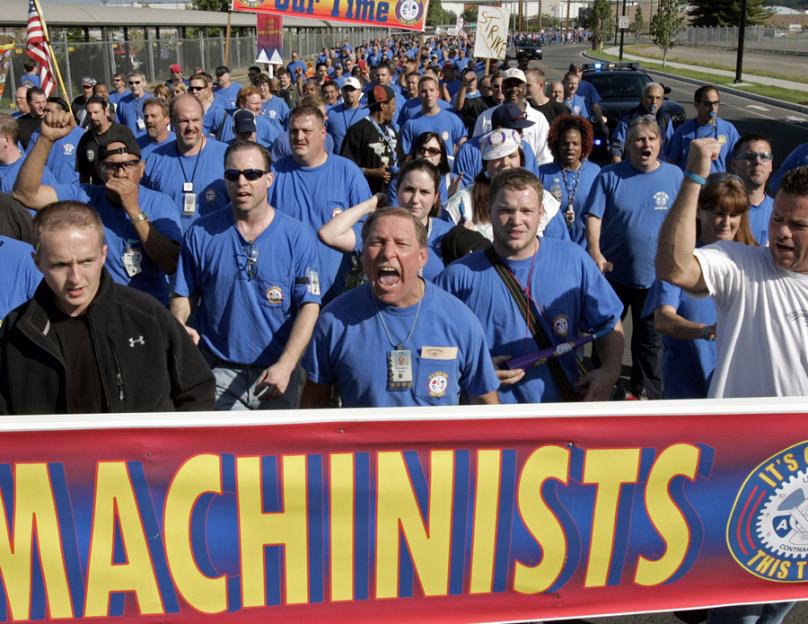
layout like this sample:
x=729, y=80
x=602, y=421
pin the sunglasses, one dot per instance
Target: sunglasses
x=134, y=83
x=750, y=156
x=251, y=268
x=432, y=151
x=192, y=88
x=251, y=175
x=114, y=167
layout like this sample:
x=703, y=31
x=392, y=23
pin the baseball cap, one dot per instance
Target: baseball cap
x=175, y=68
x=88, y=81
x=460, y=241
x=243, y=122
x=129, y=146
x=510, y=115
x=514, y=72
x=500, y=143
x=352, y=82
x=379, y=94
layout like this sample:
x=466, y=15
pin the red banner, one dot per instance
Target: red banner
x=269, y=37
x=407, y=14
x=449, y=515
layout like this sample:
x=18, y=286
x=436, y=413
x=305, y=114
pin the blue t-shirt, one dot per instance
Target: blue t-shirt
x=679, y=146
x=9, y=173
x=589, y=92
x=759, y=220
x=687, y=365
x=122, y=239
x=276, y=111
x=445, y=124
x=147, y=146
x=632, y=206
x=266, y=132
x=226, y=97
x=340, y=119
x=31, y=79
x=19, y=278
x=214, y=121
x=62, y=157
x=314, y=196
x=130, y=113
x=115, y=97
x=281, y=148
x=580, y=183
x=412, y=107
x=167, y=171
x=292, y=67
x=618, y=138
x=469, y=160
x=577, y=106
x=797, y=158
x=349, y=349
x=569, y=292
x=245, y=320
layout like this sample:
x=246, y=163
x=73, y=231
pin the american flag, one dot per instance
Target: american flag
x=37, y=49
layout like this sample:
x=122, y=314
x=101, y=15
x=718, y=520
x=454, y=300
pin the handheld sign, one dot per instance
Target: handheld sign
x=492, y=32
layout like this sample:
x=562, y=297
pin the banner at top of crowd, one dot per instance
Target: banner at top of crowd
x=407, y=14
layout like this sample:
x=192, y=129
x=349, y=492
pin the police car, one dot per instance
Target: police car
x=620, y=86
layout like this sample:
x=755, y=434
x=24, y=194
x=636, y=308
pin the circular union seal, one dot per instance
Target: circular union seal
x=274, y=295
x=250, y=4
x=409, y=11
x=438, y=382
x=210, y=195
x=767, y=532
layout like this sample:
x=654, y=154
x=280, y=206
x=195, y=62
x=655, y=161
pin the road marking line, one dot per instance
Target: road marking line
x=799, y=119
x=756, y=107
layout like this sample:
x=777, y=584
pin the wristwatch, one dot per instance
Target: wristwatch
x=141, y=217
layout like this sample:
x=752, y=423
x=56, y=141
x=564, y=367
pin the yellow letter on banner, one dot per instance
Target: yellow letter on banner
x=397, y=506
x=677, y=460
x=114, y=496
x=33, y=504
x=258, y=529
x=609, y=469
x=486, y=503
x=197, y=476
x=547, y=462
x=342, y=526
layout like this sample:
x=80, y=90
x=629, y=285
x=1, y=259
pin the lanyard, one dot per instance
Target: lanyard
x=196, y=163
x=380, y=316
x=349, y=123
x=575, y=176
x=386, y=139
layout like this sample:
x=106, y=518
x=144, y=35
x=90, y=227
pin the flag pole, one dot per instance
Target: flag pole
x=54, y=62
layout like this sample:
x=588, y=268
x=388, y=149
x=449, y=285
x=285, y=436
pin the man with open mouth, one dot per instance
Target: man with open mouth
x=397, y=340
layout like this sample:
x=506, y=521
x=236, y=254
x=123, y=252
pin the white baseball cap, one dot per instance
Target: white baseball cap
x=352, y=82
x=514, y=72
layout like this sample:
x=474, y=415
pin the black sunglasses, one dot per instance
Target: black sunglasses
x=251, y=175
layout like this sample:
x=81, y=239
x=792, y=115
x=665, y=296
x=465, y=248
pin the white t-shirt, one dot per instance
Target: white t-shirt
x=535, y=135
x=762, y=322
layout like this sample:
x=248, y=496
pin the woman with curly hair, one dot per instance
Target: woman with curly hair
x=687, y=323
x=570, y=176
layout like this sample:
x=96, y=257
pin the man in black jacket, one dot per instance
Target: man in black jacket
x=86, y=345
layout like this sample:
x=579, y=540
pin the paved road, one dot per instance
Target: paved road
x=786, y=128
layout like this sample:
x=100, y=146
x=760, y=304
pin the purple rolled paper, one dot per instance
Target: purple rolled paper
x=540, y=357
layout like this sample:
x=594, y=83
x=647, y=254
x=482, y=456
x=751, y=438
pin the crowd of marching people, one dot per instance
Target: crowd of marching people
x=388, y=225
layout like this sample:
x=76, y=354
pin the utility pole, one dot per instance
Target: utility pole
x=540, y=15
x=622, y=33
x=741, y=37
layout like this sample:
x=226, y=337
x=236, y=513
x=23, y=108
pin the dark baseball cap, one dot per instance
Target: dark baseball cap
x=510, y=115
x=129, y=146
x=379, y=94
x=243, y=122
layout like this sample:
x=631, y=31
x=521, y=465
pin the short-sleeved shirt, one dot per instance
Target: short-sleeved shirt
x=89, y=148
x=759, y=220
x=724, y=131
x=130, y=113
x=226, y=97
x=314, y=196
x=276, y=110
x=62, y=157
x=266, y=132
x=632, y=206
x=167, y=172
x=147, y=146
x=370, y=146
x=122, y=239
x=687, y=365
x=445, y=124
x=412, y=107
x=246, y=319
x=569, y=292
x=9, y=174
x=349, y=349
x=577, y=106
x=578, y=184
x=214, y=121
x=19, y=278
x=340, y=119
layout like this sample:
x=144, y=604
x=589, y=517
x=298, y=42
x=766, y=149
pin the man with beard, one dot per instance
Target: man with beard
x=140, y=226
x=626, y=207
x=99, y=130
x=397, y=340
x=342, y=116
x=155, y=114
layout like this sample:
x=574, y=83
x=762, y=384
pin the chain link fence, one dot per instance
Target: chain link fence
x=153, y=56
x=758, y=39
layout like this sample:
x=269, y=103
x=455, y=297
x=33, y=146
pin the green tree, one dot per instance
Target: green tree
x=601, y=23
x=469, y=15
x=212, y=5
x=666, y=26
x=727, y=12
x=435, y=15
x=639, y=21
